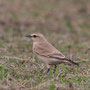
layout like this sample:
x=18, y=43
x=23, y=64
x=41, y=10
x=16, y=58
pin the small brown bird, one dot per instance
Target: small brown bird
x=46, y=52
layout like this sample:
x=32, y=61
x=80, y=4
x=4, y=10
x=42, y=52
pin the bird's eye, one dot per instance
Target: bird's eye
x=34, y=36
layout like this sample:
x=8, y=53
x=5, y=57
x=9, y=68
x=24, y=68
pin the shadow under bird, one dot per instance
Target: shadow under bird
x=46, y=52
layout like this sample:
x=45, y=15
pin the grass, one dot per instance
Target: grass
x=20, y=68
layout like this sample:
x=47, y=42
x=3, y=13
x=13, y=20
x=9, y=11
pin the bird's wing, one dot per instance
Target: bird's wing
x=52, y=52
x=48, y=51
x=56, y=56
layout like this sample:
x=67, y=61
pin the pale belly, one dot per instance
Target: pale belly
x=49, y=61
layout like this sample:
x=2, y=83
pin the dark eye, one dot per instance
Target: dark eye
x=34, y=36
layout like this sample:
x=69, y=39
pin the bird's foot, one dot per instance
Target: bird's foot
x=47, y=71
x=54, y=70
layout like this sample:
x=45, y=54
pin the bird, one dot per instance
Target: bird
x=46, y=52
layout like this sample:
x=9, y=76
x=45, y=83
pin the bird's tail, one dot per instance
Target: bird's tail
x=65, y=59
x=75, y=63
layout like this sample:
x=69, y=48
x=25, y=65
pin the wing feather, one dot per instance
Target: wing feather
x=48, y=52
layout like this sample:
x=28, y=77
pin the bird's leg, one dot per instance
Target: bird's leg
x=54, y=68
x=48, y=66
x=48, y=70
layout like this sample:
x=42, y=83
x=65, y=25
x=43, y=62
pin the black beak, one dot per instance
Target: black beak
x=29, y=36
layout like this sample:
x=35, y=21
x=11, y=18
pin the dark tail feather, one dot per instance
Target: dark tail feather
x=66, y=59
x=71, y=61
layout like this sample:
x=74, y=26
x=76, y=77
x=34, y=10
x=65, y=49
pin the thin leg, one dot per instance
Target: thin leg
x=54, y=69
x=48, y=66
x=48, y=70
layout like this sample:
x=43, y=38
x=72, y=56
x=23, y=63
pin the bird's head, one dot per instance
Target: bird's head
x=36, y=37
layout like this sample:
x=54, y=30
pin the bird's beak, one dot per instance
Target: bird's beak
x=29, y=36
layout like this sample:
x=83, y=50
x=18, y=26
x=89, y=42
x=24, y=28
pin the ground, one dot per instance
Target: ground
x=65, y=23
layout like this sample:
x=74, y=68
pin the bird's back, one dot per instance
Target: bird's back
x=45, y=48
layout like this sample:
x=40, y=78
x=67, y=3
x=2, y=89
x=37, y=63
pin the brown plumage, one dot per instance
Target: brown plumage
x=46, y=52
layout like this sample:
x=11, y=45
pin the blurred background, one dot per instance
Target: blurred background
x=65, y=22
